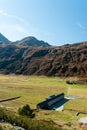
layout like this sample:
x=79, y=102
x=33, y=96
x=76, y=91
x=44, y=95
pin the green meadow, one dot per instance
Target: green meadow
x=34, y=89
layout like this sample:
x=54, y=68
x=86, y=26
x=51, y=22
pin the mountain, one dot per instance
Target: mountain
x=3, y=39
x=27, y=41
x=67, y=60
x=32, y=41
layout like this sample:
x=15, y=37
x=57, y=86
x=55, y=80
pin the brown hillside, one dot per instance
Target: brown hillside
x=68, y=60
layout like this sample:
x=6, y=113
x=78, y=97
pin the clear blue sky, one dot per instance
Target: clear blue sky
x=57, y=22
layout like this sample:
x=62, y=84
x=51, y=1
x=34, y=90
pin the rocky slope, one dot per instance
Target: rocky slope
x=68, y=60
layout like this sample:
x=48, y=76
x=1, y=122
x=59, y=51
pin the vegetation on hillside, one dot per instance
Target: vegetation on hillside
x=26, y=111
x=26, y=122
x=69, y=60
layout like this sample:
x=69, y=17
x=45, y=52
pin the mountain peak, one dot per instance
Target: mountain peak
x=3, y=38
x=32, y=41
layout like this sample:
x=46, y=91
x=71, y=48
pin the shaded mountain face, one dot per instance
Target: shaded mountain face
x=3, y=39
x=69, y=60
x=32, y=41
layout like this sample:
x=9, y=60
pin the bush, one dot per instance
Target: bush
x=1, y=128
x=71, y=82
x=25, y=122
x=26, y=111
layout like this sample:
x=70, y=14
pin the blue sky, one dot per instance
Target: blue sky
x=57, y=22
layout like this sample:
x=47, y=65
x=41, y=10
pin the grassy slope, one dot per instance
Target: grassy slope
x=35, y=89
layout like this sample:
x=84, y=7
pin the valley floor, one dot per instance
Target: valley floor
x=34, y=89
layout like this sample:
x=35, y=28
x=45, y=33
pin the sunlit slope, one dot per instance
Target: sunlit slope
x=67, y=60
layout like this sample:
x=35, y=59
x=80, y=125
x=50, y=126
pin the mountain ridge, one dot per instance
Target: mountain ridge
x=32, y=41
x=3, y=39
x=27, y=41
x=69, y=60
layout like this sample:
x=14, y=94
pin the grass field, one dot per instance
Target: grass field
x=34, y=89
